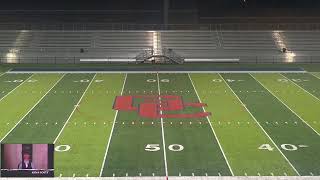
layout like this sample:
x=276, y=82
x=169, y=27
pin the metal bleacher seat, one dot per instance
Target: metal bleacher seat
x=302, y=41
x=247, y=40
x=63, y=40
x=190, y=43
x=120, y=44
x=13, y=39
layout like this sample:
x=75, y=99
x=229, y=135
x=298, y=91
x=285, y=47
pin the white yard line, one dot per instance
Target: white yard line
x=285, y=105
x=111, y=133
x=32, y=108
x=214, y=133
x=300, y=87
x=17, y=87
x=74, y=109
x=313, y=74
x=2, y=74
x=162, y=131
x=260, y=126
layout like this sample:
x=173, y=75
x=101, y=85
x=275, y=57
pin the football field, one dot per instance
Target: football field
x=167, y=124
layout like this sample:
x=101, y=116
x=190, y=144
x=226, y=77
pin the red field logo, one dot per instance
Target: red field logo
x=153, y=106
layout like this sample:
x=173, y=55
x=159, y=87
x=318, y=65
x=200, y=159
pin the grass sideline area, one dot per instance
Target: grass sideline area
x=308, y=67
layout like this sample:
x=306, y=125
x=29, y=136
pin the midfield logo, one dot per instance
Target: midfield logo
x=155, y=106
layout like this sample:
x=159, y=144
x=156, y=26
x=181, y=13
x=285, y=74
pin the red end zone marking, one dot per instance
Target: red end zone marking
x=151, y=106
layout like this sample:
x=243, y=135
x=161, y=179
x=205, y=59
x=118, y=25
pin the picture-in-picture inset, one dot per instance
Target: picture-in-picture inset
x=27, y=160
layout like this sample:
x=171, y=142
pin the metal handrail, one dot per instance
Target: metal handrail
x=76, y=59
x=144, y=27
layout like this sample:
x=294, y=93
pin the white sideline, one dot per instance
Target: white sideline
x=107, y=60
x=178, y=178
x=16, y=87
x=3, y=74
x=162, y=131
x=137, y=72
x=300, y=87
x=32, y=108
x=74, y=109
x=214, y=133
x=286, y=105
x=186, y=60
x=213, y=60
x=111, y=133
x=260, y=126
x=313, y=74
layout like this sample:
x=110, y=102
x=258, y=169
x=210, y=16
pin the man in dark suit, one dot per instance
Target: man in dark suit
x=26, y=162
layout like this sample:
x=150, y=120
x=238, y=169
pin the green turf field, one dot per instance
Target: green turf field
x=260, y=124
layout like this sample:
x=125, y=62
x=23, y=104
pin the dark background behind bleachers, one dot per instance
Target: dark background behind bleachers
x=151, y=11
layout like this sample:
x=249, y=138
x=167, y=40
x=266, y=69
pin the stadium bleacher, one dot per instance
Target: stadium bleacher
x=248, y=46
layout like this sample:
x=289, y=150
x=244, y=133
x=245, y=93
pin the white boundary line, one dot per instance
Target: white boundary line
x=162, y=131
x=285, y=104
x=32, y=108
x=111, y=133
x=260, y=125
x=16, y=87
x=148, y=71
x=3, y=74
x=313, y=74
x=74, y=109
x=214, y=133
x=300, y=87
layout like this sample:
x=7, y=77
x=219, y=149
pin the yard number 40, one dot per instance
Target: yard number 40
x=156, y=147
x=286, y=147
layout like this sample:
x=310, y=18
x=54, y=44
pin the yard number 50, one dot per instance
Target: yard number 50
x=156, y=147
